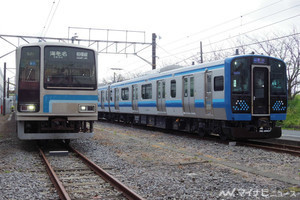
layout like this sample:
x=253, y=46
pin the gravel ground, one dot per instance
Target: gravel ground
x=22, y=175
x=156, y=165
x=164, y=166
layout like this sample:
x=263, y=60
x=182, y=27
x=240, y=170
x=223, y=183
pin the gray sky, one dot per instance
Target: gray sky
x=179, y=24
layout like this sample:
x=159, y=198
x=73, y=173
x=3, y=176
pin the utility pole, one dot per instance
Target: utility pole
x=4, y=87
x=201, y=53
x=153, y=51
x=7, y=88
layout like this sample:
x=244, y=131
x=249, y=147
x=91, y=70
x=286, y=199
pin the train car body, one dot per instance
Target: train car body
x=56, y=91
x=239, y=97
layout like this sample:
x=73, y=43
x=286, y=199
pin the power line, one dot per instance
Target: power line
x=50, y=18
x=215, y=26
x=42, y=33
x=232, y=28
x=249, y=44
x=224, y=22
x=237, y=35
x=183, y=60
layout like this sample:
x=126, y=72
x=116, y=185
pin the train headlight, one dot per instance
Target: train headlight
x=28, y=108
x=83, y=108
x=87, y=108
x=31, y=107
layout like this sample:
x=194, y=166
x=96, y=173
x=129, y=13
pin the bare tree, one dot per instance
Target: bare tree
x=286, y=48
x=115, y=78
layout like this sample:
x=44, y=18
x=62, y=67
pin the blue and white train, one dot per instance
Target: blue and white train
x=240, y=97
x=56, y=91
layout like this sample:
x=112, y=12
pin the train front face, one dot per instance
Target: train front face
x=257, y=97
x=57, y=91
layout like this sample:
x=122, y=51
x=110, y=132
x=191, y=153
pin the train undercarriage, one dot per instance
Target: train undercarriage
x=54, y=128
x=258, y=128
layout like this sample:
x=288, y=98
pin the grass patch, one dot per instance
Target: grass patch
x=293, y=115
x=295, y=189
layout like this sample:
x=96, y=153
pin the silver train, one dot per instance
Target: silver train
x=239, y=97
x=56, y=91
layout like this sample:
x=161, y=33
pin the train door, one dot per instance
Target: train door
x=117, y=98
x=260, y=90
x=102, y=99
x=109, y=97
x=161, y=96
x=208, y=93
x=188, y=94
x=135, y=97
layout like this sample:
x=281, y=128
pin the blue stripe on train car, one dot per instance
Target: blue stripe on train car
x=147, y=104
x=174, y=103
x=125, y=104
x=241, y=117
x=218, y=103
x=199, y=103
x=49, y=99
x=278, y=116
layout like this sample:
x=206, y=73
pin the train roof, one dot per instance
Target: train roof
x=164, y=73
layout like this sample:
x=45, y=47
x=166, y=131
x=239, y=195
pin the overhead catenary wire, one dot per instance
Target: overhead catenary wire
x=223, y=23
x=229, y=29
x=176, y=55
x=44, y=27
x=220, y=24
x=183, y=60
x=50, y=18
x=236, y=27
x=244, y=45
x=237, y=35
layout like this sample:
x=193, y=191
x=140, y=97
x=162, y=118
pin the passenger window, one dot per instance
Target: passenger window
x=173, y=88
x=117, y=94
x=208, y=82
x=159, y=89
x=185, y=87
x=125, y=93
x=147, y=91
x=135, y=92
x=102, y=96
x=192, y=86
x=163, y=90
x=219, y=83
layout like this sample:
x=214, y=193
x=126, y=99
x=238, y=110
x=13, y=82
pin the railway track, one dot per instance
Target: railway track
x=282, y=148
x=76, y=177
x=267, y=145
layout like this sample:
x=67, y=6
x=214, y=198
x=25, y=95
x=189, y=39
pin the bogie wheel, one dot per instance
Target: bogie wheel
x=201, y=132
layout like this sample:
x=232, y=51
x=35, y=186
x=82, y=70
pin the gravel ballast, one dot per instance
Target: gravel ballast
x=157, y=165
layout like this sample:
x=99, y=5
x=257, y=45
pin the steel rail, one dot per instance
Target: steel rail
x=283, y=148
x=130, y=194
x=54, y=178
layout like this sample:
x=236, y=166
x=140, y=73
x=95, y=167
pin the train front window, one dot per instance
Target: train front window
x=240, y=76
x=278, y=77
x=29, y=80
x=69, y=68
